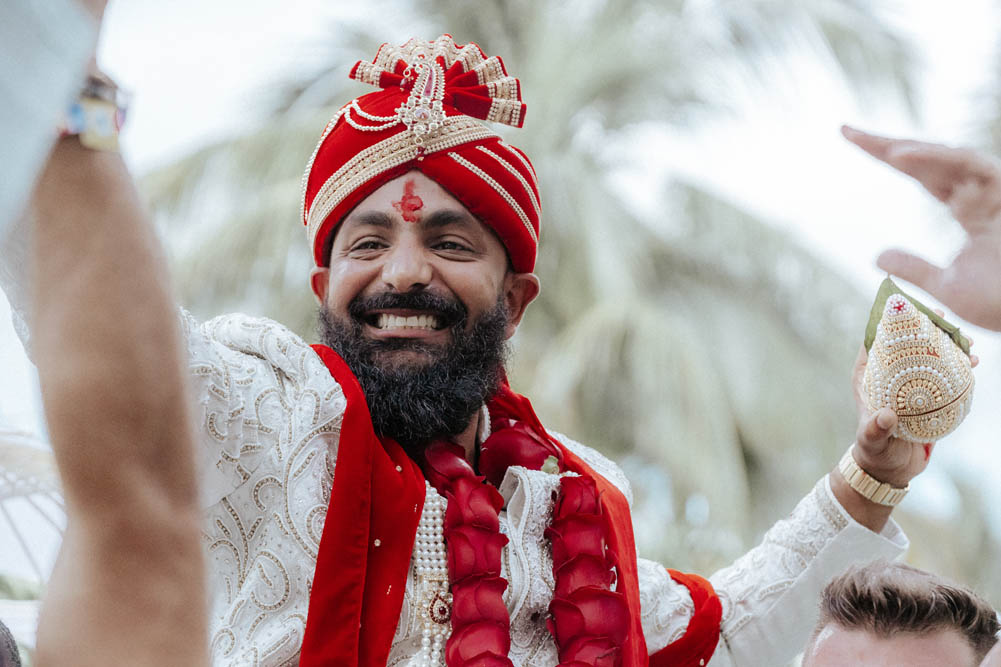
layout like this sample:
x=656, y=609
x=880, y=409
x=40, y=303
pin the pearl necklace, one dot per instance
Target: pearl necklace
x=432, y=579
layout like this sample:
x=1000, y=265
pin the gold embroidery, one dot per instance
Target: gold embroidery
x=383, y=156
x=314, y=522
x=225, y=633
x=491, y=71
x=273, y=648
x=305, y=464
x=225, y=531
x=310, y=549
x=286, y=584
x=528, y=165
x=500, y=190
x=254, y=526
x=236, y=608
x=506, y=88
x=219, y=544
x=312, y=159
x=251, y=548
x=264, y=481
x=316, y=403
x=264, y=575
x=213, y=429
x=368, y=73
x=244, y=542
x=469, y=55
x=828, y=509
x=257, y=621
x=364, y=166
x=514, y=172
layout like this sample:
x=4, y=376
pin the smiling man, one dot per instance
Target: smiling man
x=385, y=497
x=418, y=298
x=459, y=528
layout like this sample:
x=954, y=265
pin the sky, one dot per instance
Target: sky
x=788, y=163
x=194, y=69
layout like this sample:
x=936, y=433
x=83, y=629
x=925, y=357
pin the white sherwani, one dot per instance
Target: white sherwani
x=269, y=417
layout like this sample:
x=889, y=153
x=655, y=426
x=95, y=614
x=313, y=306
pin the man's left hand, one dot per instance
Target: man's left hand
x=888, y=459
x=885, y=458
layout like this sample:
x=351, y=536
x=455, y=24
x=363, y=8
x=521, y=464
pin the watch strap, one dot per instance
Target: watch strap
x=97, y=115
x=868, y=486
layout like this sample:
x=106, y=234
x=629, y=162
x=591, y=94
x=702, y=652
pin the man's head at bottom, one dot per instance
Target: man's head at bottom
x=419, y=298
x=889, y=615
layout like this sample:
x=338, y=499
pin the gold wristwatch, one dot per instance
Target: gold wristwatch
x=868, y=486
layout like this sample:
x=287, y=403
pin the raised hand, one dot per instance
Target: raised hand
x=886, y=458
x=969, y=183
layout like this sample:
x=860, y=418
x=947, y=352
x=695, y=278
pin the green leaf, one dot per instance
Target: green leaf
x=887, y=289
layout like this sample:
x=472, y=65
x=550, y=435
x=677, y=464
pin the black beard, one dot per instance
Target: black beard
x=415, y=403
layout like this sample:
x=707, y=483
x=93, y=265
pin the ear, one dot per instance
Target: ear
x=520, y=289
x=319, y=279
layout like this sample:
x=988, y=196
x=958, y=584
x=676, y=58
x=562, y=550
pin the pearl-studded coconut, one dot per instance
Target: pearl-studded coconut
x=916, y=369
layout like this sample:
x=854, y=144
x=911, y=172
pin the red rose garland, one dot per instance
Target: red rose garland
x=481, y=627
x=588, y=620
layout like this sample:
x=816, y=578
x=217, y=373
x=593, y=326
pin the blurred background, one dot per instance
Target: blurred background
x=707, y=247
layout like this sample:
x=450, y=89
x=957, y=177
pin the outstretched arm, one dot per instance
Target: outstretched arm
x=969, y=183
x=129, y=585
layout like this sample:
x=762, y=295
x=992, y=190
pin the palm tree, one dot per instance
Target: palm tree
x=714, y=348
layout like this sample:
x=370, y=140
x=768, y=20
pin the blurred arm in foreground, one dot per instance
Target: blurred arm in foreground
x=128, y=586
x=129, y=582
x=970, y=184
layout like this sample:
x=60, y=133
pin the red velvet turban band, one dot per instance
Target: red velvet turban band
x=424, y=118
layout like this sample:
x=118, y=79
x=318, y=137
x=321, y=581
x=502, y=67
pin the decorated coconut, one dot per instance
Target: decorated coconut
x=919, y=367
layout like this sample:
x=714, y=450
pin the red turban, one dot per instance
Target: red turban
x=424, y=119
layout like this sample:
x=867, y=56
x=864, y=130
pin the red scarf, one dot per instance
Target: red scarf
x=369, y=531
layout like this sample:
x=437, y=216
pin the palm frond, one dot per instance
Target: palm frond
x=714, y=354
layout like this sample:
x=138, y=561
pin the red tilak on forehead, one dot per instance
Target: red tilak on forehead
x=410, y=204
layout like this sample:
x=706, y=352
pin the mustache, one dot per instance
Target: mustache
x=448, y=310
x=414, y=403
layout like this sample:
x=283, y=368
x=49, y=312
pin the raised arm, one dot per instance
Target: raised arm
x=128, y=586
x=969, y=183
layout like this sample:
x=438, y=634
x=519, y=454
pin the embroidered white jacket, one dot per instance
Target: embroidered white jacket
x=269, y=417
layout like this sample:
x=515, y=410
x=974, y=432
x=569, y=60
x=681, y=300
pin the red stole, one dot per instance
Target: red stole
x=378, y=494
x=358, y=585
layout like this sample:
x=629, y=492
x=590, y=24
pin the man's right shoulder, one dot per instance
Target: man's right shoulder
x=254, y=341
x=263, y=397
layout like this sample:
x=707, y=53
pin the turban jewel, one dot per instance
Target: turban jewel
x=426, y=116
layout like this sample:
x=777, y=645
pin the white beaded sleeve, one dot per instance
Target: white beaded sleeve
x=268, y=419
x=769, y=595
x=251, y=379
